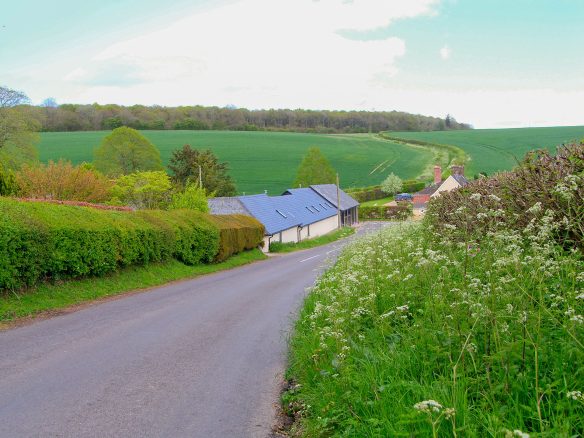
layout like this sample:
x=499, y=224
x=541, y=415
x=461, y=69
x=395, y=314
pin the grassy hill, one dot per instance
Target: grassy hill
x=491, y=150
x=263, y=160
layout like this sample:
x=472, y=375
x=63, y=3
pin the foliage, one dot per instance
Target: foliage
x=543, y=183
x=189, y=164
x=8, y=185
x=126, y=151
x=142, y=190
x=383, y=212
x=237, y=233
x=311, y=243
x=192, y=197
x=261, y=161
x=392, y=184
x=95, y=117
x=46, y=297
x=62, y=181
x=314, y=169
x=453, y=329
x=17, y=130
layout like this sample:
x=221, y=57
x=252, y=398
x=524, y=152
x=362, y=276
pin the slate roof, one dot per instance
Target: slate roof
x=227, y=205
x=430, y=189
x=460, y=179
x=329, y=192
x=276, y=216
x=307, y=205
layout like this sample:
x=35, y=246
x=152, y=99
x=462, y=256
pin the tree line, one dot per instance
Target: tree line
x=74, y=117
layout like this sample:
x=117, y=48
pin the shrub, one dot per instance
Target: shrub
x=381, y=212
x=192, y=197
x=542, y=183
x=237, y=233
x=367, y=194
x=143, y=189
x=62, y=181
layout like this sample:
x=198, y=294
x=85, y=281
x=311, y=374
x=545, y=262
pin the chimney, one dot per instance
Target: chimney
x=457, y=170
x=437, y=174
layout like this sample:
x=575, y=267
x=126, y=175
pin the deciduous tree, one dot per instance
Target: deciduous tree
x=143, y=189
x=392, y=184
x=192, y=197
x=187, y=164
x=314, y=169
x=126, y=151
x=17, y=130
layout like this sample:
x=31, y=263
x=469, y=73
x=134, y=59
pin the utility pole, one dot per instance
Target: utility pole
x=200, y=177
x=338, y=201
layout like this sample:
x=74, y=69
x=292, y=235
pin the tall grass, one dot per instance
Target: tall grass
x=427, y=330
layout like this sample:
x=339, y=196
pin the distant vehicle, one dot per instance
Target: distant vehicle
x=404, y=197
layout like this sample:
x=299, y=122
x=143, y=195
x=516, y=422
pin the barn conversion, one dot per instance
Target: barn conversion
x=296, y=215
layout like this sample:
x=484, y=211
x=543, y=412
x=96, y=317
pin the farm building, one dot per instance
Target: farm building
x=454, y=181
x=349, y=208
x=296, y=215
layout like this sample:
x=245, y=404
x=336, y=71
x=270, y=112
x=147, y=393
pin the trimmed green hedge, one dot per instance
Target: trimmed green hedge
x=381, y=212
x=237, y=233
x=44, y=241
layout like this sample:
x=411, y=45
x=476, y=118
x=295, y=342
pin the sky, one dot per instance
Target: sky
x=490, y=63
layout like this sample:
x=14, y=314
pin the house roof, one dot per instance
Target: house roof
x=227, y=205
x=430, y=189
x=460, y=179
x=276, y=216
x=329, y=192
x=307, y=205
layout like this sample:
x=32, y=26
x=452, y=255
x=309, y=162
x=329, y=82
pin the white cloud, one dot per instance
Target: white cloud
x=445, y=52
x=255, y=53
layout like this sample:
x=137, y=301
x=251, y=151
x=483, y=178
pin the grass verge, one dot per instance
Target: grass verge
x=311, y=243
x=412, y=333
x=48, y=297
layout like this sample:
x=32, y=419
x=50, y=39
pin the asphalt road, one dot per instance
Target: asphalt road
x=198, y=358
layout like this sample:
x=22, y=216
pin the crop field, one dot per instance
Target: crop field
x=492, y=150
x=263, y=160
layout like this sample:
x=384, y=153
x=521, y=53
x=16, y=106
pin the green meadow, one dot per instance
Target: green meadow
x=263, y=160
x=491, y=150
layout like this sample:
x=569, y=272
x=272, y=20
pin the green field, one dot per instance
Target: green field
x=264, y=160
x=491, y=150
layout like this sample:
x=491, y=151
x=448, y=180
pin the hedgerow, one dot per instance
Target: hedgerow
x=41, y=241
x=237, y=233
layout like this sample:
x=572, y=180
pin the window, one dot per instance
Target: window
x=309, y=209
x=317, y=210
x=281, y=214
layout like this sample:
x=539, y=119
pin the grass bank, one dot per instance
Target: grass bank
x=410, y=334
x=311, y=243
x=48, y=297
x=377, y=202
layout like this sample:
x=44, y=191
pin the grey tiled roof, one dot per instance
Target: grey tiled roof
x=460, y=179
x=229, y=205
x=329, y=192
x=430, y=189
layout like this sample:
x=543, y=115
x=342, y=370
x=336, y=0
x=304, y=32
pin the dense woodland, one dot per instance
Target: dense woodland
x=72, y=117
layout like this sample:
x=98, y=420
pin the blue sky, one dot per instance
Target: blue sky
x=492, y=63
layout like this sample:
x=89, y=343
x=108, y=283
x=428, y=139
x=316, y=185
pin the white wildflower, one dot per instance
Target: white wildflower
x=575, y=395
x=428, y=406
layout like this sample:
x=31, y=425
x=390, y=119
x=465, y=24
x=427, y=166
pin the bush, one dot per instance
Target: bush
x=237, y=233
x=62, y=181
x=192, y=197
x=413, y=186
x=380, y=212
x=542, y=184
x=143, y=189
x=367, y=194
x=45, y=241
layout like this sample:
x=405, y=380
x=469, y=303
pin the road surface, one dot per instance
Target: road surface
x=198, y=358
